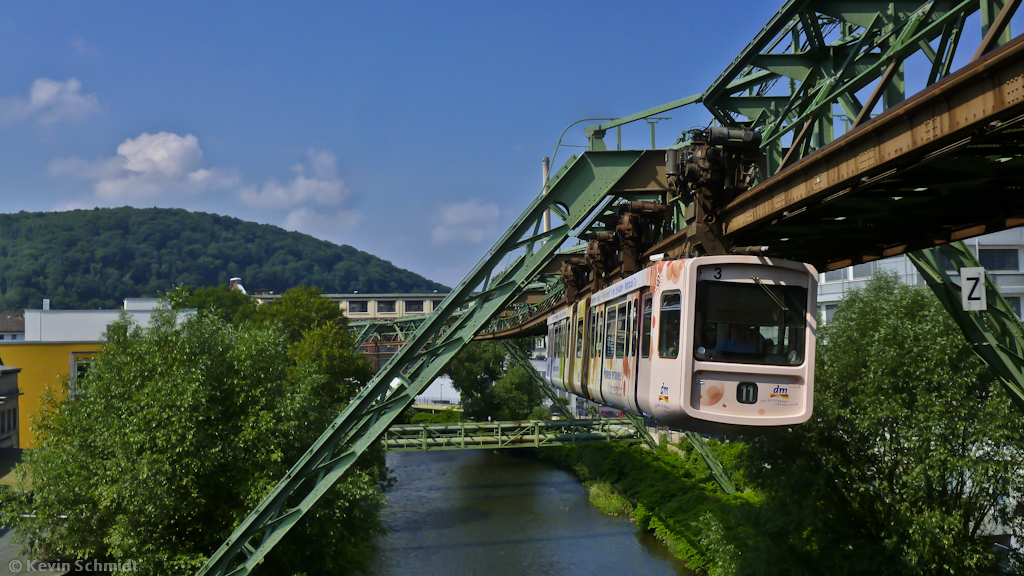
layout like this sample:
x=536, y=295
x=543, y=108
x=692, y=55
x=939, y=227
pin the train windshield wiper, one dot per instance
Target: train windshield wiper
x=770, y=293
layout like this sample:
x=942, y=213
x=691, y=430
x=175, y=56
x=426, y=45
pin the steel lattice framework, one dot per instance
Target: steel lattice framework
x=810, y=63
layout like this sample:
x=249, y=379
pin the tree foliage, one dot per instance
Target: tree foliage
x=180, y=429
x=491, y=385
x=84, y=259
x=231, y=305
x=912, y=451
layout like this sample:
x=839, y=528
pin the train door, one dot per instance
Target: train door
x=630, y=368
x=614, y=351
x=569, y=338
x=597, y=386
x=594, y=377
x=666, y=364
x=643, y=372
x=578, y=356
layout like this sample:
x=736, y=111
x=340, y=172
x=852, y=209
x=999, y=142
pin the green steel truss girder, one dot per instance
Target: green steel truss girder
x=361, y=333
x=394, y=329
x=514, y=434
x=578, y=189
x=825, y=51
x=996, y=334
x=867, y=38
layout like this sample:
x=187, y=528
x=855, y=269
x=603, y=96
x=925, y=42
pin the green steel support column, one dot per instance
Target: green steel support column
x=523, y=361
x=641, y=429
x=576, y=190
x=713, y=464
x=989, y=10
x=996, y=334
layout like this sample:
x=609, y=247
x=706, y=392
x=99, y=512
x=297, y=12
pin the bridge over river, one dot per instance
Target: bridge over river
x=516, y=434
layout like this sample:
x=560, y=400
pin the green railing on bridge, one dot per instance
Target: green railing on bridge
x=515, y=434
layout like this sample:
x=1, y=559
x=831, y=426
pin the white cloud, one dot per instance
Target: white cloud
x=471, y=222
x=316, y=183
x=164, y=153
x=50, y=101
x=148, y=166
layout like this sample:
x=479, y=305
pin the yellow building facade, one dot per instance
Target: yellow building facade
x=44, y=365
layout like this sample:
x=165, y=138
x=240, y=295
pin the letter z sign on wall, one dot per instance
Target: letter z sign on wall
x=972, y=288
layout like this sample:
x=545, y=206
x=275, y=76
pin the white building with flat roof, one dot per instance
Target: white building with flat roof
x=85, y=325
x=1000, y=253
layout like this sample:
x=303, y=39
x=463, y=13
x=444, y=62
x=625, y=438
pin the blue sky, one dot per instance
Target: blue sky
x=411, y=130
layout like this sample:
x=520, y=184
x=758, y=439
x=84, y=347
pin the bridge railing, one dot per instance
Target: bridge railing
x=513, y=434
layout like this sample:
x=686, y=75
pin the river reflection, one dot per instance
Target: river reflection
x=476, y=512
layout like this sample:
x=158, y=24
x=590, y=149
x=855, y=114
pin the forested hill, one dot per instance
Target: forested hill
x=95, y=258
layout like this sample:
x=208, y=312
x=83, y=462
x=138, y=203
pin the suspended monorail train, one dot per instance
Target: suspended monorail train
x=718, y=344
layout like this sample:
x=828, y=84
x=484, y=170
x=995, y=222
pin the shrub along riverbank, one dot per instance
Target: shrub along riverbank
x=910, y=465
x=669, y=493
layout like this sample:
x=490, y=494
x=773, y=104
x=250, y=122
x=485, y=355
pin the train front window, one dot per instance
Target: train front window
x=750, y=323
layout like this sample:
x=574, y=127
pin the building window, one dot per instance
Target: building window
x=385, y=306
x=863, y=270
x=81, y=362
x=830, y=310
x=835, y=275
x=1014, y=302
x=414, y=305
x=357, y=306
x=999, y=259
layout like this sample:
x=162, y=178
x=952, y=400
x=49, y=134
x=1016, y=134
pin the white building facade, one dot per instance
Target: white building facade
x=1000, y=253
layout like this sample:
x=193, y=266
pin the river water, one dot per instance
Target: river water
x=475, y=512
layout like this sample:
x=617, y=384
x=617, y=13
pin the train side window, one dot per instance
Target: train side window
x=620, y=331
x=579, y=338
x=609, y=333
x=630, y=328
x=668, y=331
x=645, y=337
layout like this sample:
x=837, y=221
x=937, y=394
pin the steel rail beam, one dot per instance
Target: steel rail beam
x=986, y=92
x=577, y=189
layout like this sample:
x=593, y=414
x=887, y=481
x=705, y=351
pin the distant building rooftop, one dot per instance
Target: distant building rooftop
x=12, y=322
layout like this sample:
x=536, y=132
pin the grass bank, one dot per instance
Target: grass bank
x=666, y=492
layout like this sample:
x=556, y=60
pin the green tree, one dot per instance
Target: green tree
x=489, y=383
x=231, y=305
x=912, y=450
x=95, y=258
x=299, y=309
x=179, y=429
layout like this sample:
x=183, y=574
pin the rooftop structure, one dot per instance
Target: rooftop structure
x=386, y=306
